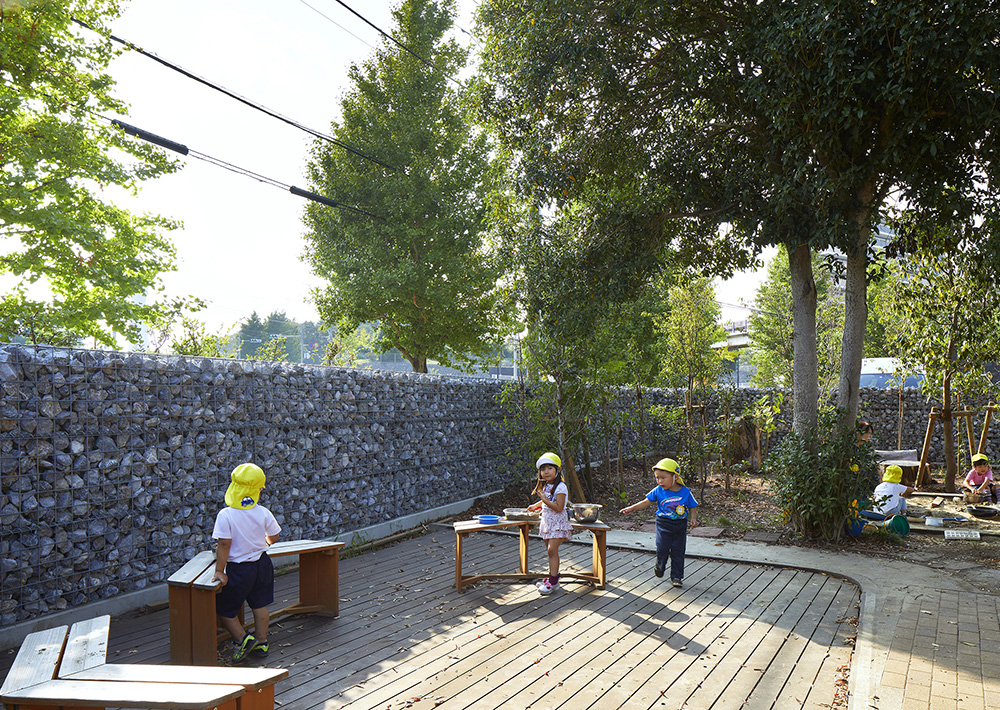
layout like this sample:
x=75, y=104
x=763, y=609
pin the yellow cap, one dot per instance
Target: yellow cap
x=244, y=491
x=670, y=466
x=548, y=457
x=893, y=474
x=980, y=457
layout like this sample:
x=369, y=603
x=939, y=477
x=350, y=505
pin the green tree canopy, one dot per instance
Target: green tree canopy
x=793, y=122
x=687, y=334
x=945, y=313
x=421, y=267
x=79, y=266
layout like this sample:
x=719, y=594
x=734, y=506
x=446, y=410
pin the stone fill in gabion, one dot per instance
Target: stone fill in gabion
x=113, y=466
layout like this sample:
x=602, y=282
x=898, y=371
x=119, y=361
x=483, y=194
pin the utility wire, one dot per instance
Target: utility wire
x=330, y=19
x=243, y=100
x=184, y=150
x=387, y=36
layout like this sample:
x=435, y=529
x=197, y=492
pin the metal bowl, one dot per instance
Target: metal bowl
x=520, y=514
x=983, y=511
x=586, y=512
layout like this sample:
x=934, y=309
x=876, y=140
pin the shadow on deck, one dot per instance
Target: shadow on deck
x=735, y=634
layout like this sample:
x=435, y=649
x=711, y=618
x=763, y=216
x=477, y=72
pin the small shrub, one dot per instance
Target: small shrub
x=819, y=479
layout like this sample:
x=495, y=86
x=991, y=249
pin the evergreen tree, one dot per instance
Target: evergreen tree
x=420, y=267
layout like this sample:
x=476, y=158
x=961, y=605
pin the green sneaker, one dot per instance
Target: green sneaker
x=243, y=648
x=259, y=649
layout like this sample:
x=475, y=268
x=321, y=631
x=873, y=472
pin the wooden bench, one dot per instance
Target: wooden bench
x=191, y=592
x=597, y=577
x=65, y=667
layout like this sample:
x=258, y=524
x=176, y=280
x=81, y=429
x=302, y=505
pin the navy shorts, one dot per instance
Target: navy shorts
x=250, y=582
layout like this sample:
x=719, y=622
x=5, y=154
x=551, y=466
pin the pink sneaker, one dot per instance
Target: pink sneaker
x=547, y=586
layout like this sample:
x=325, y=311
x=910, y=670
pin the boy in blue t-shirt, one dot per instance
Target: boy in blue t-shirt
x=676, y=510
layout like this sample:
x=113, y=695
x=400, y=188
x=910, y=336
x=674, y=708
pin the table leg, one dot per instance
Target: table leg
x=523, y=530
x=204, y=642
x=600, y=557
x=179, y=600
x=458, y=561
x=262, y=699
x=319, y=581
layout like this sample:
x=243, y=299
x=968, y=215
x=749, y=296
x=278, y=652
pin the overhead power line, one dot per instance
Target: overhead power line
x=384, y=34
x=184, y=150
x=244, y=100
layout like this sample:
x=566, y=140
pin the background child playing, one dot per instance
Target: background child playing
x=554, y=527
x=675, y=507
x=245, y=530
x=890, y=495
x=980, y=478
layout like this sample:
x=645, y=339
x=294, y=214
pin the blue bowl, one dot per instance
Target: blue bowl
x=488, y=519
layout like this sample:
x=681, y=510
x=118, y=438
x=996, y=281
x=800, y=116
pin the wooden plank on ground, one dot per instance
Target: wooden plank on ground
x=793, y=603
x=672, y=677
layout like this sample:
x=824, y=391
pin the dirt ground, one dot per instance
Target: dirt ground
x=747, y=507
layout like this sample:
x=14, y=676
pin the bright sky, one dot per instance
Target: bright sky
x=241, y=242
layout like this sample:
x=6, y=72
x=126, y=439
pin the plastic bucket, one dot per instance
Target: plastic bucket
x=854, y=527
x=898, y=524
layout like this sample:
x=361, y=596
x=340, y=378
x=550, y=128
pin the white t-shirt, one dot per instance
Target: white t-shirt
x=893, y=490
x=247, y=529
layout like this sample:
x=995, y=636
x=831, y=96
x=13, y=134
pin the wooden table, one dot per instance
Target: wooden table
x=597, y=577
x=193, y=629
x=65, y=669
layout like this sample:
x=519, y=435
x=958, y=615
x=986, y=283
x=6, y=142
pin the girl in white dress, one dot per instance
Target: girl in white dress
x=554, y=526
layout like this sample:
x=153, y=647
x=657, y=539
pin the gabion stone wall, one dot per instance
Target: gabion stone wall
x=113, y=466
x=882, y=407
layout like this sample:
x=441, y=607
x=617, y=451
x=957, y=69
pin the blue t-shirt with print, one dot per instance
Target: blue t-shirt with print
x=672, y=504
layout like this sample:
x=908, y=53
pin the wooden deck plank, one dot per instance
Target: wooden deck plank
x=765, y=658
x=406, y=638
x=627, y=675
x=428, y=617
x=736, y=638
x=592, y=654
x=426, y=654
x=690, y=636
x=768, y=691
x=516, y=643
x=829, y=649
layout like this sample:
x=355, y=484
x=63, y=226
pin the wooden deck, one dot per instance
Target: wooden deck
x=735, y=636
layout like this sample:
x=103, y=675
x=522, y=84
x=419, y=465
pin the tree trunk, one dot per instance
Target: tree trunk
x=588, y=472
x=642, y=426
x=576, y=492
x=418, y=363
x=855, y=319
x=569, y=470
x=949, y=436
x=805, y=390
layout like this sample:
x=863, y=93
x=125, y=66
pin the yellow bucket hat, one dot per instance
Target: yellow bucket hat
x=670, y=466
x=893, y=474
x=548, y=457
x=244, y=491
